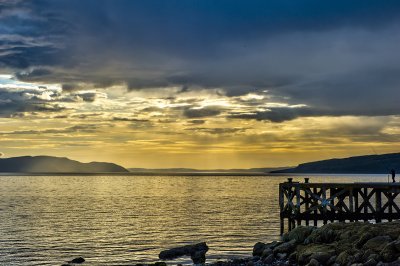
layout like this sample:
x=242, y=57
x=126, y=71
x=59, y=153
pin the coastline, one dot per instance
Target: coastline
x=334, y=244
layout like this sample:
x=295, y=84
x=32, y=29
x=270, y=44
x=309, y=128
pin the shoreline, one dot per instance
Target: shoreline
x=334, y=244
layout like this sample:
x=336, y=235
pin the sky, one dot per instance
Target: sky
x=199, y=83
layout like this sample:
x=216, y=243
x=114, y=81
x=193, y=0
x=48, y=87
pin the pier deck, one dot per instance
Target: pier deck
x=305, y=203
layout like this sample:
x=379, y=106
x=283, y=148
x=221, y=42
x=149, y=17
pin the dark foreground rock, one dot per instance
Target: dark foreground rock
x=196, y=252
x=336, y=244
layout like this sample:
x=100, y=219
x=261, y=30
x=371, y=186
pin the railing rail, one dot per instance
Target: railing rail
x=329, y=202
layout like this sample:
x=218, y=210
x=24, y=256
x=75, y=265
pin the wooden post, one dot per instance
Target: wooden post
x=365, y=199
x=351, y=203
x=378, y=206
x=281, y=205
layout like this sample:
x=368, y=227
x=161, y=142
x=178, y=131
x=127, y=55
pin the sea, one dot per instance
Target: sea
x=127, y=220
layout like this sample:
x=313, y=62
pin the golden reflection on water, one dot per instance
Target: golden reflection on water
x=123, y=220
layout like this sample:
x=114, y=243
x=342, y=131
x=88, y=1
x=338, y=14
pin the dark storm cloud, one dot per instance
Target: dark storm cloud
x=201, y=112
x=14, y=101
x=336, y=57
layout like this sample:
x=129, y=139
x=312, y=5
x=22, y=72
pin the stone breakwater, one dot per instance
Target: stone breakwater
x=334, y=244
x=356, y=244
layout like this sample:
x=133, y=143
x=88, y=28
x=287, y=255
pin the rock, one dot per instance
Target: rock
x=389, y=252
x=198, y=257
x=324, y=234
x=258, y=249
x=376, y=257
x=344, y=258
x=281, y=256
x=269, y=260
x=299, y=234
x=331, y=260
x=160, y=263
x=306, y=251
x=266, y=252
x=377, y=243
x=397, y=245
x=77, y=260
x=357, y=264
x=195, y=250
x=292, y=257
x=363, y=239
x=313, y=262
x=321, y=257
x=286, y=247
x=370, y=262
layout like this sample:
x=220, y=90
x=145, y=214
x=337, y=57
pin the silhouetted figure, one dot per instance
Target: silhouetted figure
x=393, y=173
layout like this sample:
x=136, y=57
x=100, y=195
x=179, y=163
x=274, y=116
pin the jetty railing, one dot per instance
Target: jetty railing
x=329, y=202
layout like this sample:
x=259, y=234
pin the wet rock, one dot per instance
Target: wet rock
x=286, y=247
x=299, y=234
x=196, y=251
x=331, y=260
x=77, y=260
x=370, y=262
x=269, y=260
x=363, y=239
x=321, y=257
x=198, y=257
x=313, y=262
x=258, y=248
x=375, y=257
x=389, y=252
x=266, y=252
x=281, y=256
x=344, y=258
x=377, y=243
x=397, y=245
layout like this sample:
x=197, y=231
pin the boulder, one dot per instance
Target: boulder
x=389, y=252
x=269, y=260
x=198, y=256
x=322, y=257
x=286, y=247
x=299, y=234
x=77, y=260
x=196, y=251
x=377, y=243
x=313, y=262
x=344, y=258
x=331, y=260
x=306, y=251
x=266, y=252
x=370, y=262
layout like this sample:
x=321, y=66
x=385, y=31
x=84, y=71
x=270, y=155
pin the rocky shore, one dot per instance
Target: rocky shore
x=336, y=244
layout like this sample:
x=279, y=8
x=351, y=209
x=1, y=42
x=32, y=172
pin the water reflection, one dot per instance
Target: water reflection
x=123, y=220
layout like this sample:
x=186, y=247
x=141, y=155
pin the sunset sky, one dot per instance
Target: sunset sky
x=199, y=83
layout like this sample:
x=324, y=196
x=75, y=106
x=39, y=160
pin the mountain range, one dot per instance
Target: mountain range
x=367, y=164
x=50, y=164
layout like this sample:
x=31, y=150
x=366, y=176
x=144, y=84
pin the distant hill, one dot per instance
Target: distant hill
x=367, y=164
x=49, y=164
x=191, y=170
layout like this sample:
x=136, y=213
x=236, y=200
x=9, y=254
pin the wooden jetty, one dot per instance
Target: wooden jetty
x=328, y=202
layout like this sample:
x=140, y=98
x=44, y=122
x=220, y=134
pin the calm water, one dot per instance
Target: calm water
x=124, y=220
